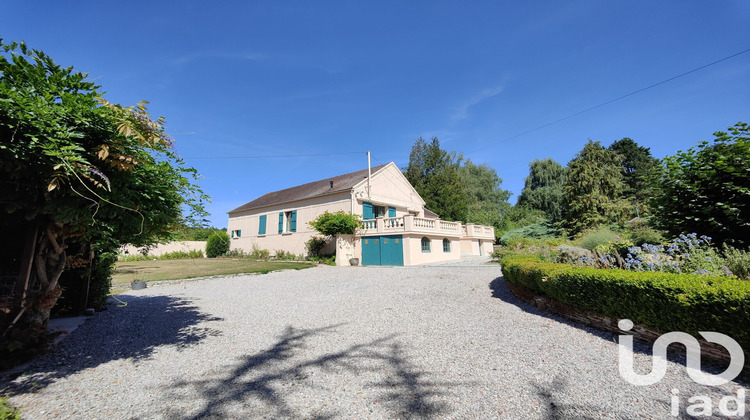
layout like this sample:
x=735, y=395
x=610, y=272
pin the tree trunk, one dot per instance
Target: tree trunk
x=49, y=264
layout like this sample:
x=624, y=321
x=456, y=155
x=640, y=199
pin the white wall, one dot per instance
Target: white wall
x=160, y=249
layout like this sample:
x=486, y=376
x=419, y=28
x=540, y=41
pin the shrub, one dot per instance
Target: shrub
x=217, y=244
x=593, y=238
x=641, y=233
x=7, y=411
x=181, y=255
x=737, y=261
x=260, y=254
x=236, y=253
x=662, y=301
x=283, y=255
x=323, y=259
x=339, y=223
x=315, y=245
x=533, y=231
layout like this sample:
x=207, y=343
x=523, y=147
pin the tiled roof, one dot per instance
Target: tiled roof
x=313, y=189
x=430, y=214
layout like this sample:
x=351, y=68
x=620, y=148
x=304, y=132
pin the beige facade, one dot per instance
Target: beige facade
x=280, y=220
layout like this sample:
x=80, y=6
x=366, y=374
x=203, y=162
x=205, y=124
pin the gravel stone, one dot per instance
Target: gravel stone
x=446, y=341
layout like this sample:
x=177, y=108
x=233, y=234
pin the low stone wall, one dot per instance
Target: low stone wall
x=160, y=249
x=715, y=353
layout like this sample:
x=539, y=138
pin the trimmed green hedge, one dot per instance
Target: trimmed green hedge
x=660, y=301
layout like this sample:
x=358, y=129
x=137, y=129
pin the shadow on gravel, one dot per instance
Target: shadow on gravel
x=265, y=384
x=132, y=331
x=501, y=291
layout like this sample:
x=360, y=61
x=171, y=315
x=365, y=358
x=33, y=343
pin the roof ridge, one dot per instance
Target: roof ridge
x=308, y=190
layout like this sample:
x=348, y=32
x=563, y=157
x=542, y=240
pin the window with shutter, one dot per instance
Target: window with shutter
x=262, y=225
x=367, y=212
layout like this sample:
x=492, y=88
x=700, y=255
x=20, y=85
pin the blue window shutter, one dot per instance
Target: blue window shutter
x=293, y=223
x=262, y=225
x=367, y=211
x=391, y=212
x=281, y=222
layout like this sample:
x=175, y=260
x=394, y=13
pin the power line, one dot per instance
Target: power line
x=273, y=156
x=613, y=100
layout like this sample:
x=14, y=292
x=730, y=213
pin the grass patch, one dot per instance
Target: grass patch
x=127, y=272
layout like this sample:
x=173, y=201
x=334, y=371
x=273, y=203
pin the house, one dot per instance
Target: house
x=396, y=228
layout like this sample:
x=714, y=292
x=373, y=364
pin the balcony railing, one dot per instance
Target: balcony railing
x=412, y=224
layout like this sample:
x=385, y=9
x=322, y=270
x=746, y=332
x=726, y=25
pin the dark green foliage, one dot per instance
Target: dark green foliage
x=89, y=174
x=593, y=189
x=193, y=233
x=486, y=201
x=314, y=245
x=533, y=231
x=662, y=301
x=101, y=279
x=707, y=189
x=338, y=223
x=544, y=188
x=434, y=173
x=517, y=217
x=638, y=167
x=217, y=244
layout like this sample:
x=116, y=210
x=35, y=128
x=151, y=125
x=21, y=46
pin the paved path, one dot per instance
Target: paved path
x=340, y=342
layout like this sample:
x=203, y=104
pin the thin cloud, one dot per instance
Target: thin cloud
x=188, y=58
x=462, y=112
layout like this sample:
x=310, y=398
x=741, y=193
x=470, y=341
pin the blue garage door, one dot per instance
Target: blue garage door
x=383, y=250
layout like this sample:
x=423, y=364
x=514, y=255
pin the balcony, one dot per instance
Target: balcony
x=417, y=225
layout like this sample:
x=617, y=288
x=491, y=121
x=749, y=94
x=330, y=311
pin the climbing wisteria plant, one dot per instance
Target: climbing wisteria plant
x=78, y=170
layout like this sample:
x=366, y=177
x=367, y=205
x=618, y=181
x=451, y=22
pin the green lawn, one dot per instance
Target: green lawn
x=127, y=272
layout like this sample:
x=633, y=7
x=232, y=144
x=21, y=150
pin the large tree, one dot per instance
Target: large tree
x=544, y=188
x=637, y=166
x=706, y=189
x=486, y=200
x=78, y=177
x=434, y=173
x=593, y=189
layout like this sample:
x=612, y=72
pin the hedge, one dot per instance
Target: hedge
x=660, y=301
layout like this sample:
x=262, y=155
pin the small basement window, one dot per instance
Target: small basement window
x=236, y=233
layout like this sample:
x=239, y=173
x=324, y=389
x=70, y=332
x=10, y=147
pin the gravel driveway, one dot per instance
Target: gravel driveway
x=346, y=342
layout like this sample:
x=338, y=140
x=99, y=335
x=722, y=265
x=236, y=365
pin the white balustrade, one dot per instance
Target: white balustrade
x=448, y=226
x=424, y=223
x=393, y=223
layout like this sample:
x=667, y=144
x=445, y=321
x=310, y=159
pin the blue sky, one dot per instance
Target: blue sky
x=240, y=80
